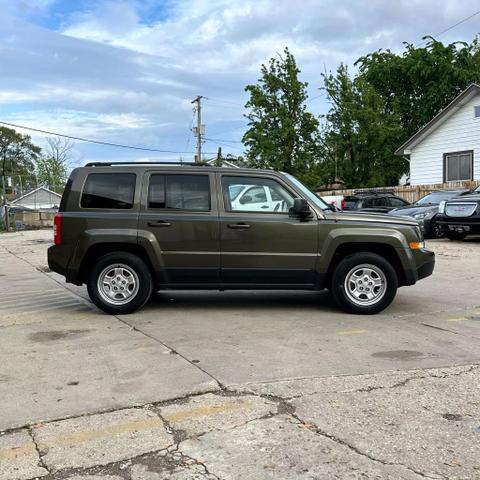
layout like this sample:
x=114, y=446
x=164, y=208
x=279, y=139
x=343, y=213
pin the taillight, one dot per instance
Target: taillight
x=343, y=204
x=57, y=228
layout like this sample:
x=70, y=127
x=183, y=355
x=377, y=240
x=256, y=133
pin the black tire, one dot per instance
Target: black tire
x=453, y=235
x=436, y=230
x=127, y=263
x=344, y=269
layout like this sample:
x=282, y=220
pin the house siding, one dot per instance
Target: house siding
x=39, y=199
x=460, y=132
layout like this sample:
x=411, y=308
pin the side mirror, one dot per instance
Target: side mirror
x=246, y=199
x=300, y=209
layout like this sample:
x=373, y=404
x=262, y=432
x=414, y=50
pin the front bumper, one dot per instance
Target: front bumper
x=470, y=225
x=423, y=265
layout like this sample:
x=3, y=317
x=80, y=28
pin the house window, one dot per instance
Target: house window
x=477, y=111
x=458, y=166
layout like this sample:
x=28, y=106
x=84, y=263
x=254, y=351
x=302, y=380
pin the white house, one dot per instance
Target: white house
x=447, y=148
x=39, y=199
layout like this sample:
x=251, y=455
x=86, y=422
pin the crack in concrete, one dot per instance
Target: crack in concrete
x=172, y=350
x=41, y=461
x=185, y=458
x=317, y=430
x=411, y=379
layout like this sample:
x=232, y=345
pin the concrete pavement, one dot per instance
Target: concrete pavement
x=237, y=385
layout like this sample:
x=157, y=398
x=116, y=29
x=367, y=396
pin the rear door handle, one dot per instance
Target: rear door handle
x=238, y=226
x=159, y=223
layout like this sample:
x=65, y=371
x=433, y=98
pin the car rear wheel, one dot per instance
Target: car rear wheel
x=364, y=283
x=452, y=235
x=119, y=283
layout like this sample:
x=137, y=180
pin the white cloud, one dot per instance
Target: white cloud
x=118, y=72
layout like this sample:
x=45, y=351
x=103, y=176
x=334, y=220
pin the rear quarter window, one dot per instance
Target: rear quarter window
x=108, y=190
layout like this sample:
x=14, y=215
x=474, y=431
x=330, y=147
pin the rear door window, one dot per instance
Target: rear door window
x=179, y=192
x=397, y=202
x=108, y=190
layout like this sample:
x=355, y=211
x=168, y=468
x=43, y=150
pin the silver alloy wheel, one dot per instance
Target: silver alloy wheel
x=365, y=285
x=118, y=284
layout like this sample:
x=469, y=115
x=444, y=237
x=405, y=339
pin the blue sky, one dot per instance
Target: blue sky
x=126, y=71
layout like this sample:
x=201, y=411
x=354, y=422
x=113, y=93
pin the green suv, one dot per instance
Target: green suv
x=129, y=229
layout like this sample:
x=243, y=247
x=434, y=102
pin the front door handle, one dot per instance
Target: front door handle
x=159, y=223
x=238, y=226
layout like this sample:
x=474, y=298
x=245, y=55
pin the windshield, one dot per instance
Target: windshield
x=477, y=190
x=435, y=198
x=308, y=193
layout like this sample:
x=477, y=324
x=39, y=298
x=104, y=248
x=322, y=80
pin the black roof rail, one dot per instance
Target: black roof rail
x=374, y=192
x=113, y=164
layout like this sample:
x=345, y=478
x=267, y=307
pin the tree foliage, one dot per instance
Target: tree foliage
x=17, y=156
x=359, y=136
x=386, y=102
x=282, y=135
x=52, y=165
x=421, y=81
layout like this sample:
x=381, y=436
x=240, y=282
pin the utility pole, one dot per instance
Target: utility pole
x=199, y=129
x=218, y=160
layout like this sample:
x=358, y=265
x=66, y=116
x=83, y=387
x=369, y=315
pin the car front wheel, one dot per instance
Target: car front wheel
x=119, y=283
x=436, y=230
x=364, y=283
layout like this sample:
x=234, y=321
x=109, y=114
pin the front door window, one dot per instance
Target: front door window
x=255, y=194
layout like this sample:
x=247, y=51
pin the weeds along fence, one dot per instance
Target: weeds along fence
x=411, y=193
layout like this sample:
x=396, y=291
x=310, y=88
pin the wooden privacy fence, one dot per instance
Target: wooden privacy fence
x=411, y=193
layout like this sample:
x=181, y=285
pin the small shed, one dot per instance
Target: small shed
x=40, y=198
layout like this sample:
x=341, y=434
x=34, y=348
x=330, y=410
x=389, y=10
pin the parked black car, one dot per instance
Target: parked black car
x=372, y=201
x=460, y=216
x=426, y=210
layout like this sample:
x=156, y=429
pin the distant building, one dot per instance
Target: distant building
x=39, y=199
x=447, y=148
x=225, y=163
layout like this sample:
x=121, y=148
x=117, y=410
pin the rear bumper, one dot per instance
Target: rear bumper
x=55, y=260
x=58, y=257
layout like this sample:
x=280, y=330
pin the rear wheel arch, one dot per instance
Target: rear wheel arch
x=98, y=250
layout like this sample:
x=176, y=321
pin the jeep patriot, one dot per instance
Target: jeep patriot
x=129, y=229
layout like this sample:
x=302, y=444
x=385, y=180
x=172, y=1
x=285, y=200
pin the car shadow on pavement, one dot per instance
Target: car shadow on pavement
x=242, y=300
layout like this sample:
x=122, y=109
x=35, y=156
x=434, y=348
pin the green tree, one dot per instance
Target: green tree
x=51, y=167
x=282, y=135
x=17, y=157
x=418, y=83
x=359, y=136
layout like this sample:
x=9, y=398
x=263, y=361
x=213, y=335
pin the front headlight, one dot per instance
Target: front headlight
x=441, y=207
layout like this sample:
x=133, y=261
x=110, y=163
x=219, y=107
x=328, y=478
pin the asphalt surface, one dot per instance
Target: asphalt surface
x=238, y=385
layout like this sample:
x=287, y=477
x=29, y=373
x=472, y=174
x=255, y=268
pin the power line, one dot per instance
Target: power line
x=226, y=102
x=98, y=142
x=451, y=27
x=223, y=140
x=224, y=144
x=190, y=130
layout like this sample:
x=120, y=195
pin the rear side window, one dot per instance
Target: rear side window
x=179, y=192
x=108, y=190
x=66, y=193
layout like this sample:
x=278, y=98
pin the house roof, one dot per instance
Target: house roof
x=440, y=118
x=224, y=162
x=31, y=192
